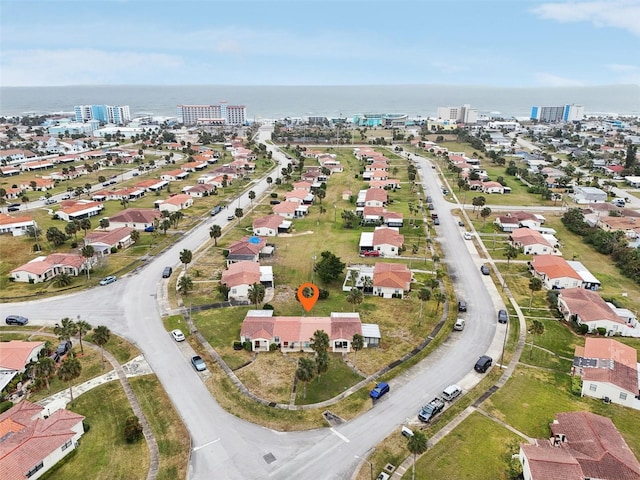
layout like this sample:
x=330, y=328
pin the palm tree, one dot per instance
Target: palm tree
x=440, y=297
x=101, y=335
x=104, y=223
x=66, y=329
x=71, y=229
x=85, y=224
x=355, y=297
x=82, y=328
x=185, y=285
x=256, y=293
x=44, y=369
x=69, y=370
x=320, y=341
x=417, y=445
x=537, y=327
x=135, y=236
x=535, y=284
x=511, y=252
x=367, y=284
x=353, y=277
x=252, y=195
x=305, y=372
x=87, y=253
x=62, y=280
x=424, y=295
x=357, y=343
x=215, y=232
x=322, y=363
x=484, y=213
x=185, y=258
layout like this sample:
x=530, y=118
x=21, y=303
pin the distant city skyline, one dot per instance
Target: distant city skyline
x=311, y=42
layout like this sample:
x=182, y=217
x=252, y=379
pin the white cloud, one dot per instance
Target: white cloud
x=620, y=68
x=624, y=14
x=551, y=80
x=79, y=66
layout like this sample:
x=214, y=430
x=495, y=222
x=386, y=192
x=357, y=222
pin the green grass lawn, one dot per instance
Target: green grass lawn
x=477, y=449
x=336, y=380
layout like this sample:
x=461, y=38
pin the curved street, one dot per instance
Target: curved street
x=226, y=447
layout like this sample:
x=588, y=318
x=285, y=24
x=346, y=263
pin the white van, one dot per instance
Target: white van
x=451, y=392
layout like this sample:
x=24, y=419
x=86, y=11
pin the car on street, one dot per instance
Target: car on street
x=485, y=270
x=135, y=174
x=66, y=197
x=177, y=335
x=451, y=393
x=370, y=253
x=459, y=325
x=14, y=207
x=108, y=280
x=468, y=235
x=460, y=223
x=430, y=206
x=379, y=390
x=16, y=320
x=503, y=316
x=431, y=409
x=462, y=306
x=216, y=210
x=198, y=363
x=50, y=201
x=483, y=364
x=230, y=217
x=436, y=221
x=166, y=273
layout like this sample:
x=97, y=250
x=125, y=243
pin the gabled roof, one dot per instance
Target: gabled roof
x=15, y=353
x=554, y=267
x=10, y=220
x=527, y=236
x=136, y=215
x=375, y=194
x=110, y=237
x=241, y=273
x=248, y=245
x=588, y=305
x=285, y=207
x=40, y=265
x=270, y=221
x=609, y=361
x=179, y=199
x=388, y=236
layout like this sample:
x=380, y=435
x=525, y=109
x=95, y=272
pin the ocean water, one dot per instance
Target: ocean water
x=330, y=101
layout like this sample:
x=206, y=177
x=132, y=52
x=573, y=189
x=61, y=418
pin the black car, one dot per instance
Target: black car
x=216, y=210
x=13, y=208
x=166, y=273
x=16, y=320
x=503, y=316
x=485, y=270
x=462, y=306
x=483, y=364
x=64, y=347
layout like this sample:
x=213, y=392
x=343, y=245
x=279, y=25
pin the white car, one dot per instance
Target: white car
x=459, y=325
x=468, y=235
x=177, y=335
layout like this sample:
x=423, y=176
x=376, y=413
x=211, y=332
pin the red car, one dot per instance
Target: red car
x=371, y=253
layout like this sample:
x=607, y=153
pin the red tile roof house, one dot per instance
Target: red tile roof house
x=582, y=445
x=375, y=197
x=102, y=242
x=16, y=226
x=241, y=275
x=555, y=272
x=174, y=175
x=387, y=241
x=249, y=249
x=262, y=329
x=270, y=226
x=175, y=203
x=200, y=190
x=514, y=220
x=34, y=439
x=494, y=187
x=609, y=371
x=138, y=218
x=79, y=210
x=41, y=184
x=531, y=242
x=586, y=307
x=42, y=269
x=152, y=185
x=391, y=280
x=302, y=185
x=291, y=210
x=299, y=196
x=14, y=356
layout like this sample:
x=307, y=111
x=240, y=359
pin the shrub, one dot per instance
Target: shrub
x=114, y=249
x=274, y=195
x=323, y=294
x=247, y=346
x=4, y=406
x=602, y=331
x=86, y=426
x=273, y=347
x=267, y=306
x=583, y=329
x=132, y=430
x=74, y=244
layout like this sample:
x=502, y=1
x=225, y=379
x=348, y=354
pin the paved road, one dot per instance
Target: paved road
x=226, y=447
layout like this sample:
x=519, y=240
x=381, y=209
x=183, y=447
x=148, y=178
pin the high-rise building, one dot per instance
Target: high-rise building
x=565, y=113
x=463, y=114
x=103, y=113
x=217, y=114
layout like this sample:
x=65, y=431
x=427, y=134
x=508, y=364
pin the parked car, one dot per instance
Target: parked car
x=177, y=335
x=459, y=325
x=483, y=364
x=460, y=223
x=13, y=208
x=135, y=174
x=16, y=320
x=198, y=363
x=230, y=217
x=429, y=199
x=436, y=221
x=431, y=409
x=451, y=393
x=150, y=228
x=274, y=202
x=50, y=201
x=216, y=210
x=64, y=347
x=485, y=270
x=379, y=390
x=462, y=306
x=66, y=196
x=166, y=273
x=468, y=235
x=370, y=253
x=108, y=280
x=503, y=316
x=430, y=206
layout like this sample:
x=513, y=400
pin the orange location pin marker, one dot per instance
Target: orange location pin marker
x=308, y=302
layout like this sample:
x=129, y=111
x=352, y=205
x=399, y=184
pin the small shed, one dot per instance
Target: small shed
x=371, y=335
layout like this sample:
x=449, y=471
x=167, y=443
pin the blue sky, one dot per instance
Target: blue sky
x=512, y=43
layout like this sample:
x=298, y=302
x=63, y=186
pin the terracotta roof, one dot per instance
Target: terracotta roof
x=29, y=438
x=391, y=275
x=302, y=185
x=375, y=194
x=553, y=267
x=299, y=194
x=81, y=207
x=9, y=220
x=588, y=305
x=248, y=245
x=285, y=207
x=15, y=353
x=388, y=236
x=136, y=215
x=616, y=363
x=611, y=349
x=270, y=221
x=375, y=211
x=110, y=237
x=40, y=265
x=179, y=199
x=241, y=273
x=526, y=236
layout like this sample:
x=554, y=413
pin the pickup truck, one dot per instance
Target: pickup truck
x=431, y=409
